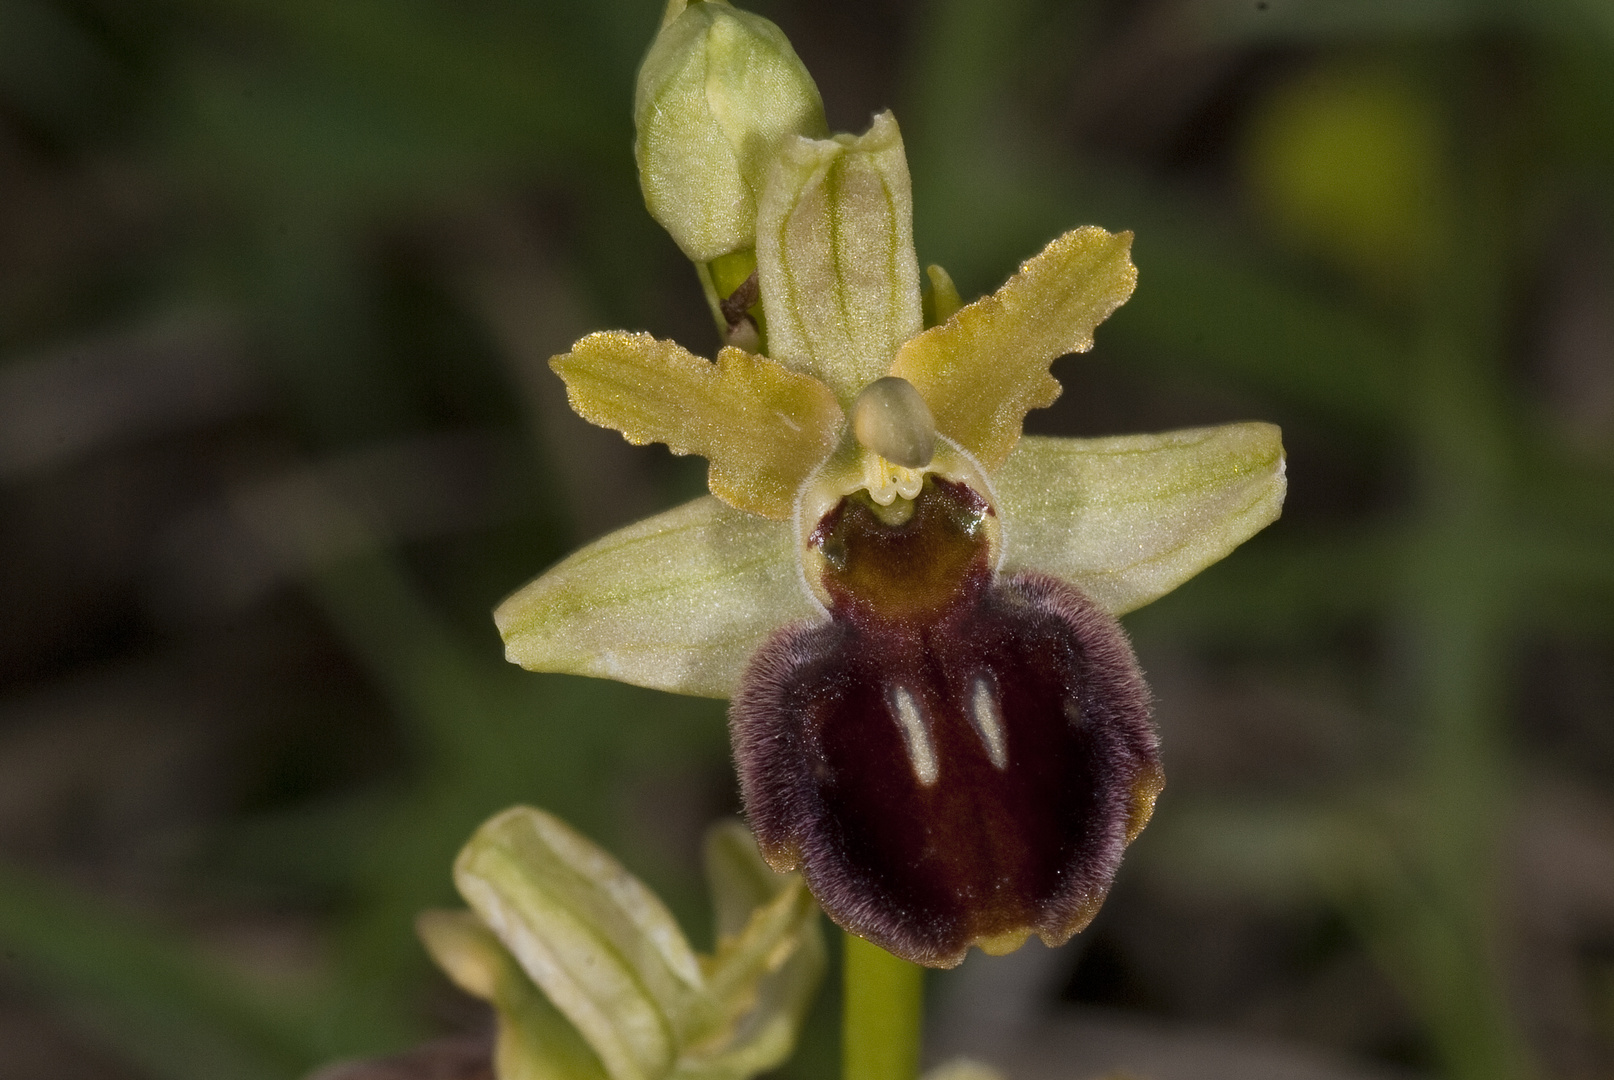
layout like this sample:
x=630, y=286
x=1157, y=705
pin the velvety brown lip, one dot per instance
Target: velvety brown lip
x=951, y=759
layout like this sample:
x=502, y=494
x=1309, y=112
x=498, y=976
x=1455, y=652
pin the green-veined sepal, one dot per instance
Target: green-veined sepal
x=1129, y=518
x=535, y=1042
x=551, y=911
x=676, y=602
x=600, y=945
x=835, y=256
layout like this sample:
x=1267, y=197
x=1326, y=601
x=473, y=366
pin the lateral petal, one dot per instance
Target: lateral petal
x=983, y=369
x=835, y=256
x=1129, y=518
x=676, y=602
x=761, y=427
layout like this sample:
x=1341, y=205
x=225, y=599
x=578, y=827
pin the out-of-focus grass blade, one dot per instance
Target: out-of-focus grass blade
x=1276, y=851
x=1284, y=588
x=1346, y=21
x=1210, y=301
x=170, y=1009
x=372, y=101
x=51, y=71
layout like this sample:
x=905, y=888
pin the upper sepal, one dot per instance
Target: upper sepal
x=1127, y=519
x=835, y=256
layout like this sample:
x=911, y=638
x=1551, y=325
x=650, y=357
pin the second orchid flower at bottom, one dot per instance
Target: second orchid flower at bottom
x=936, y=716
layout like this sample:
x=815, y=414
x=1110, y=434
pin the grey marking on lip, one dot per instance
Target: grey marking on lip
x=988, y=723
x=915, y=736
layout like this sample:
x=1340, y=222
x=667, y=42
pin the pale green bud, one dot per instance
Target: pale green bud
x=718, y=90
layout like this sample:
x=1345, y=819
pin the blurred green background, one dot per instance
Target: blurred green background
x=278, y=284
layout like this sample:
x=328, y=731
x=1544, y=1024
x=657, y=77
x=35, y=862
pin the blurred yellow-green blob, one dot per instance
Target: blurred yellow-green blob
x=1347, y=162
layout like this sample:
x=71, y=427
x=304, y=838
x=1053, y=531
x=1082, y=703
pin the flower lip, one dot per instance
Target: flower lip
x=967, y=780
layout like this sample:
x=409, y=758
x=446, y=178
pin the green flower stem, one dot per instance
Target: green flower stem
x=714, y=301
x=883, y=1007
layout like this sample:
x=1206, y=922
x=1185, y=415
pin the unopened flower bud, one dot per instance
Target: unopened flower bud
x=718, y=90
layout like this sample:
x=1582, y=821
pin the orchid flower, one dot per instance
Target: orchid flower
x=935, y=715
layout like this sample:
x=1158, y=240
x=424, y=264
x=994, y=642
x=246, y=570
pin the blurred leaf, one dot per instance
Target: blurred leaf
x=180, y=1015
x=367, y=99
x=51, y=70
x=1345, y=21
x=1206, y=295
x=1350, y=161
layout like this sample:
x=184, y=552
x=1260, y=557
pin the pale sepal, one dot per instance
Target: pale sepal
x=676, y=602
x=770, y=955
x=1129, y=518
x=835, y=256
x=608, y=955
x=602, y=946
x=534, y=1042
x=761, y=427
x=983, y=369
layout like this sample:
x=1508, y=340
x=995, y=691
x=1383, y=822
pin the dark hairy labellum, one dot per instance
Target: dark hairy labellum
x=954, y=758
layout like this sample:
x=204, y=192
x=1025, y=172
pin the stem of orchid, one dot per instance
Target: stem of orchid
x=881, y=1014
x=713, y=300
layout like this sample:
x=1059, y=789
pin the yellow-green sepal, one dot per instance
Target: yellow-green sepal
x=609, y=956
x=676, y=602
x=717, y=91
x=835, y=256
x=984, y=368
x=601, y=946
x=758, y=910
x=1129, y=518
x=534, y=1041
x=761, y=427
